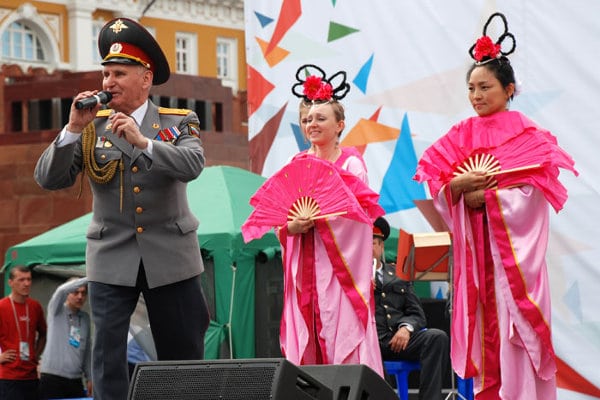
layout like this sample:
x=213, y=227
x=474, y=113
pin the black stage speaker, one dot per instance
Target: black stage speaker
x=352, y=382
x=243, y=379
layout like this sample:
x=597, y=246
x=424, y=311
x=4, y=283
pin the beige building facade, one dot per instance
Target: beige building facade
x=199, y=37
x=49, y=53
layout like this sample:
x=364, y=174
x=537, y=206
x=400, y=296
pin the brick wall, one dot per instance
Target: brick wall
x=26, y=210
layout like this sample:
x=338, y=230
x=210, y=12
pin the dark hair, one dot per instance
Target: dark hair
x=20, y=268
x=492, y=56
x=500, y=67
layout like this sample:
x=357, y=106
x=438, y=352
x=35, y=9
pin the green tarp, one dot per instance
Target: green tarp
x=219, y=199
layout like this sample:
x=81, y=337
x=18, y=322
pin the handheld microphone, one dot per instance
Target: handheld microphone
x=102, y=97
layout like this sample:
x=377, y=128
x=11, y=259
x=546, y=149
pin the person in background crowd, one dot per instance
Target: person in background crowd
x=68, y=354
x=22, y=338
x=135, y=354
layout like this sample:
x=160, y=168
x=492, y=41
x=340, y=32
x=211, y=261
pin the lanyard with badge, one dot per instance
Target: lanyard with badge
x=74, y=332
x=23, y=344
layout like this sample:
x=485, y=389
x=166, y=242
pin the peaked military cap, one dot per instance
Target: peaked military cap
x=124, y=41
x=381, y=228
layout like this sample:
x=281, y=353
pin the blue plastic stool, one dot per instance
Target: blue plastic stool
x=465, y=387
x=401, y=369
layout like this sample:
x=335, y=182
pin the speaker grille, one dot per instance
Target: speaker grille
x=241, y=379
x=352, y=382
x=206, y=382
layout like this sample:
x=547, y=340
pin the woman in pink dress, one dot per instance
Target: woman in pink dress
x=328, y=312
x=500, y=329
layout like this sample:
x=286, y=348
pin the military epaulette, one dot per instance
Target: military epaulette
x=103, y=113
x=173, y=111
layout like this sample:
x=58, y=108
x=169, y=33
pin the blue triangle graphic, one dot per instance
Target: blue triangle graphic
x=301, y=141
x=263, y=19
x=572, y=299
x=362, y=77
x=398, y=189
x=439, y=294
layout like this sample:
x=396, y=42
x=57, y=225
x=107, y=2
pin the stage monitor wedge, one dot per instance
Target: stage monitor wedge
x=241, y=379
x=352, y=382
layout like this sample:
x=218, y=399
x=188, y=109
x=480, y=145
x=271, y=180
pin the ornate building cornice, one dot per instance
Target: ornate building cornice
x=221, y=13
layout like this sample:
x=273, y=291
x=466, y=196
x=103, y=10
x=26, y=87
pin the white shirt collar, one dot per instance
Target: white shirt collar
x=139, y=113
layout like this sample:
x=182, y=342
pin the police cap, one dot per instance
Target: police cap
x=381, y=228
x=124, y=41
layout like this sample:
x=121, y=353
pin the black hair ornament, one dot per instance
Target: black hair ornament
x=315, y=87
x=485, y=50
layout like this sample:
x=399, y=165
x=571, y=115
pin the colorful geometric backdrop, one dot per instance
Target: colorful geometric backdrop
x=406, y=62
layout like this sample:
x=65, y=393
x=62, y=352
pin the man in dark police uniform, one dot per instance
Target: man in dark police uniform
x=142, y=237
x=402, y=325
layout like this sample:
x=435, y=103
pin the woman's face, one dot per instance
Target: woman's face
x=486, y=94
x=322, y=127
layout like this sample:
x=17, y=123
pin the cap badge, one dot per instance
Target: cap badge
x=118, y=26
x=116, y=48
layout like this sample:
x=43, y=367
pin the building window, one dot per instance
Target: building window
x=20, y=42
x=186, y=53
x=227, y=62
x=96, y=27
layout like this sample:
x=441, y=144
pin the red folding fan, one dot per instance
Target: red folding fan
x=507, y=146
x=521, y=153
x=490, y=145
x=306, y=187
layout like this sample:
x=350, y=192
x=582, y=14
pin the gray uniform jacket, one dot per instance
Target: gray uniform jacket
x=155, y=225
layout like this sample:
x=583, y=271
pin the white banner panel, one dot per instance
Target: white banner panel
x=406, y=62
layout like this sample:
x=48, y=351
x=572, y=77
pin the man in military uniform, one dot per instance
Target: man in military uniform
x=142, y=237
x=401, y=323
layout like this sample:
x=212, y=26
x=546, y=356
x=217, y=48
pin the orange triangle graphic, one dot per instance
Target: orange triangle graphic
x=273, y=57
x=367, y=131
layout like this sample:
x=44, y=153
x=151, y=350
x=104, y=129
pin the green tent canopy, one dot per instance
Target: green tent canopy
x=219, y=199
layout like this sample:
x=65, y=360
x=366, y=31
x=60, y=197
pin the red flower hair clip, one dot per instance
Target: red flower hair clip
x=484, y=47
x=315, y=87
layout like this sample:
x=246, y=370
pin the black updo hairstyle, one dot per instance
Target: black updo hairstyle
x=498, y=64
x=336, y=82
